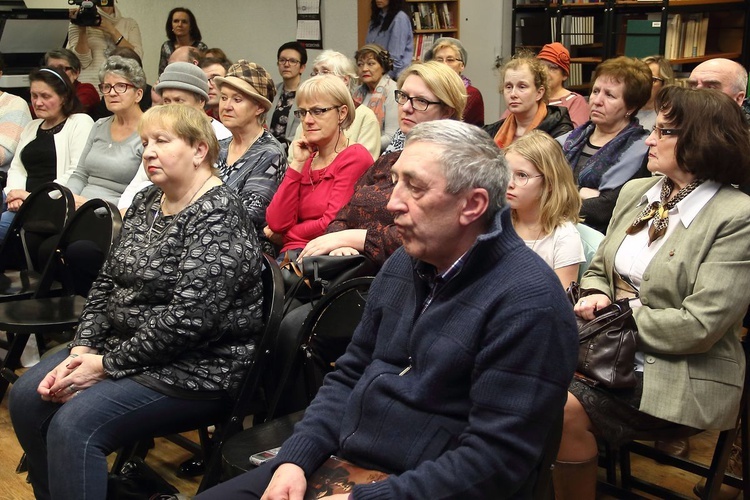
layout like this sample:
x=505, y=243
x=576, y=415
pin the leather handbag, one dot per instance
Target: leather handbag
x=316, y=275
x=607, y=347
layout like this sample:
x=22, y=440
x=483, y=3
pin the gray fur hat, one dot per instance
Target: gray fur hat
x=184, y=76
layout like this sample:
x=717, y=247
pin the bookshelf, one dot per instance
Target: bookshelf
x=430, y=21
x=686, y=31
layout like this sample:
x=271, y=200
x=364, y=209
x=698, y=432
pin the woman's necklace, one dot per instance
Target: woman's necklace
x=161, y=215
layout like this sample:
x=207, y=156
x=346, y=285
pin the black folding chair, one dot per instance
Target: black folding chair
x=96, y=223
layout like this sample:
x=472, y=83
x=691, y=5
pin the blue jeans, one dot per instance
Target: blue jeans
x=5, y=220
x=67, y=444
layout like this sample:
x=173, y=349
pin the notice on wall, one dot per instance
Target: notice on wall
x=309, y=26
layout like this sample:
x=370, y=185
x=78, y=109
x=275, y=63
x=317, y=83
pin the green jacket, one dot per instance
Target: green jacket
x=694, y=294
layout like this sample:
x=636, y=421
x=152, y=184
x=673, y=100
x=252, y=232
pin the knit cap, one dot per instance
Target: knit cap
x=556, y=53
x=184, y=76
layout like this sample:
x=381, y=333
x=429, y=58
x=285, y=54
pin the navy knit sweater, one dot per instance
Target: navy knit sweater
x=491, y=359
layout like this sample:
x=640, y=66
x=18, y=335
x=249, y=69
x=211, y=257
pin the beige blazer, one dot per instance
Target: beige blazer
x=695, y=293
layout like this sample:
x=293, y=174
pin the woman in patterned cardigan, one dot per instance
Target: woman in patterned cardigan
x=169, y=327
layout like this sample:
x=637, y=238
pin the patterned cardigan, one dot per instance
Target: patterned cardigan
x=178, y=303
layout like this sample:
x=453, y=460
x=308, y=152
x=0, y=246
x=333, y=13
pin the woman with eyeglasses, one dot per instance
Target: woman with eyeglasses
x=49, y=146
x=321, y=178
x=376, y=89
x=451, y=51
x=427, y=91
x=677, y=249
x=662, y=75
x=609, y=149
x=544, y=203
x=365, y=128
x=113, y=150
x=525, y=92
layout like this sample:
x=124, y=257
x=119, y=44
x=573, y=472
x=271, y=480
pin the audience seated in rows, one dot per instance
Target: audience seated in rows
x=213, y=67
x=427, y=91
x=376, y=88
x=146, y=101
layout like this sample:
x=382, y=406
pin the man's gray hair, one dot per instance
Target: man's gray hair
x=469, y=157
x=740, y=78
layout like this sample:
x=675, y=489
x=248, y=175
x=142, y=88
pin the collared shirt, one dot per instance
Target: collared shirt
x=435, y=280
x=634, y=254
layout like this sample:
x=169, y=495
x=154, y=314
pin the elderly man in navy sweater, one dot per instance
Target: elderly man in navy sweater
x=462, y=359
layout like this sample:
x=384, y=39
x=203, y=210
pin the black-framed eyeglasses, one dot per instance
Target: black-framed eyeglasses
x=661, y=132
x=418, y=103
x=120, y=88
x=655, y=79
x=315, y=112
x=290, y=62
x=522, y=178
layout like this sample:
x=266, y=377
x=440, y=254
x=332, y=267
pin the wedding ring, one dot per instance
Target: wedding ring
x=72, y=388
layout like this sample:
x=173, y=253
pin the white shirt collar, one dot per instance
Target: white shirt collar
x=691, y=205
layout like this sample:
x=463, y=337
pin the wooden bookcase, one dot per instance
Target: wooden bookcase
x=691, y=31
x=430, y=21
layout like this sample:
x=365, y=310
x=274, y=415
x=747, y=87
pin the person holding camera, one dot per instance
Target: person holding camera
x=92, y=33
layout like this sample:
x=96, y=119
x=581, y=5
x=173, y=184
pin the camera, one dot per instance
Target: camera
x=87, y=14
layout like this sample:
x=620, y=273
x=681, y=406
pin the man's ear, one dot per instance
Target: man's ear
x=476, y=203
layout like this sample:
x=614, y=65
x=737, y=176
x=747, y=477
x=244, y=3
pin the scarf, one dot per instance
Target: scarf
x=377, y=99
x=608, y=155
x=507, y=131
x=659, y=210
x=396, y=144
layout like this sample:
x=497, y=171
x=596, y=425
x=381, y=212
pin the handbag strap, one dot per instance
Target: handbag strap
x=613, y=312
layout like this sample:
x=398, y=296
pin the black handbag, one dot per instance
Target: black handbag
x=317, y=274
x=607, y=347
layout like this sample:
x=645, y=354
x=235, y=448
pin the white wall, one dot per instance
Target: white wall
x=254, y=29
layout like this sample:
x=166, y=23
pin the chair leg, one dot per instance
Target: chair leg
x=12, y=359
x=715, y=477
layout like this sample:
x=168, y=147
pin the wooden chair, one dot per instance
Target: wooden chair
x=715, y=473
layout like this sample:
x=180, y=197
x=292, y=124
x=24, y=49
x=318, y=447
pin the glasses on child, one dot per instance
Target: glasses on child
x=522, y=178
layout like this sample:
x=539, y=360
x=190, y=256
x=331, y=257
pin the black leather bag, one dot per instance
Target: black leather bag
x=316, y=275
x=607, y=347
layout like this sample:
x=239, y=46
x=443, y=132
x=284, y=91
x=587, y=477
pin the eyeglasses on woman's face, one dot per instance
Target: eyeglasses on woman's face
x=448, y=60
x=301, y=113
x=283, y=61
x=418, y=103
x=522, y=178
x=120, y=87
x=322, y=71
x=661, y=132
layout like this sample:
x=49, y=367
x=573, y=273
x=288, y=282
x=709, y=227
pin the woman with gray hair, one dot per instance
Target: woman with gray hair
x=365, y=129
x=113, y=151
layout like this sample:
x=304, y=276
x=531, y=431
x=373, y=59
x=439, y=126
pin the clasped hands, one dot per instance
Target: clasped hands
x=75, y=373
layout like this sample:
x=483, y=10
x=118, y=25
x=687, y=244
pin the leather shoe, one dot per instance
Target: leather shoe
x=677, y=447
x=192, y=467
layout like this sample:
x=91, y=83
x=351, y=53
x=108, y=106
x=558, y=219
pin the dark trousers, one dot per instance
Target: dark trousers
x=249, y=485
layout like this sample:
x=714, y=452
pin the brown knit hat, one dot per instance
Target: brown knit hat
x=250, y=79
x=556, y=53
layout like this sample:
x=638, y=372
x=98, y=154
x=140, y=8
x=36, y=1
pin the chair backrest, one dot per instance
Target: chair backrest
x=273, y=305
x=591, y=238
x=42, y=215
x=95, y=228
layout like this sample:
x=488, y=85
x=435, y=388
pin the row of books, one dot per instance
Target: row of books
x=432, y=16
x=575, y=77
x=423, y=43
x=574, y=30
x=686, y=36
